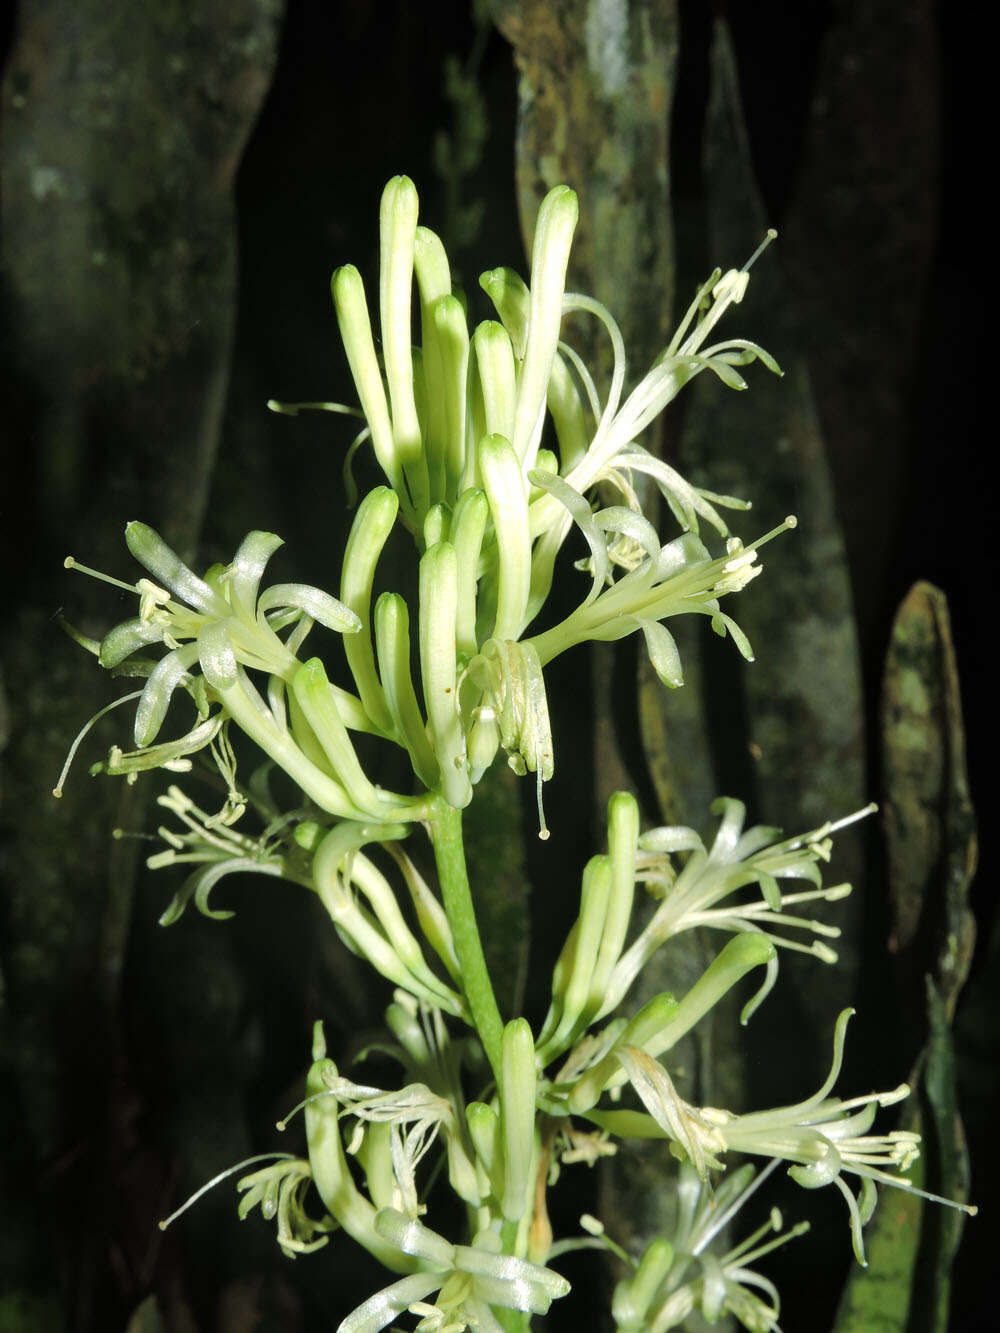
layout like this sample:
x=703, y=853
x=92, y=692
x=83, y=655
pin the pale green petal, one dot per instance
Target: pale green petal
x=153, y=553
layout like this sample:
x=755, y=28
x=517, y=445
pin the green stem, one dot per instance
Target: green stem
x=449, y=854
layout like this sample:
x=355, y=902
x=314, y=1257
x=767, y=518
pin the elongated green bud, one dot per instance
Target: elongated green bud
x=392, y=640
x=330, y=1172
x=518, y=1085
x=245, y=706
x=583, y=947
x=497, y=375
x=487, y=1138
x=375, y=1159
x=633, y=1297
x=505, y=489
x=566, y=409
x=662, y=1022
x=433, y=282
x=398, y=226
x=623, y=843
x=356, y=332
x=430, y=260
x=554, y=229
x=652, y=1019
x=314, y=696
x=403, y=1021
x=462, y=1174
x=369, y=532
x=511, y=298
x=467, y=529
x=436, y=524
x=452, y=334
x=438, y=610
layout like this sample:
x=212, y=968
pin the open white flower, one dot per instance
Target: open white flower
x=823, y=1137
x=704, y=891
x=467, y=1280
x=675, y=1276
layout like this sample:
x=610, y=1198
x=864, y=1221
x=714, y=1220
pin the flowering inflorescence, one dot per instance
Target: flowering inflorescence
x=492, y=442
x=457, y=427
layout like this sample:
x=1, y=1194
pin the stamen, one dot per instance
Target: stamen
x=869, y=809
x=790, y=522
x=71, y=563
x=120, y=833
x=282, y=1124
x=770, y=236
x=793, y=1233
x=727, y=1214
x=817, y=835
x=57, y=790
x=293, y=409
x=543, y=831
x=884, y=1178
x=230, y=1171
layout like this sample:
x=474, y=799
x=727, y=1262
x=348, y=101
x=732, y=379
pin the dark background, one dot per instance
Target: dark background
x=221, y=189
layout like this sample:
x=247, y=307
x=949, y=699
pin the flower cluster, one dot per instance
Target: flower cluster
x=492, y=442
x=458, y=427
x=676, y=1276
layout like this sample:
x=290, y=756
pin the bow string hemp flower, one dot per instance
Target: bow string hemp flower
x=493, y=441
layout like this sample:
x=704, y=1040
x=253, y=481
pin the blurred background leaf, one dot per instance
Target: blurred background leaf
x=931, y=857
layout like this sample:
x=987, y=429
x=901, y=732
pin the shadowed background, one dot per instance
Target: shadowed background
x=178, y=182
